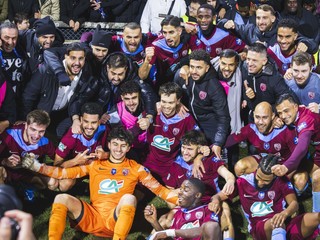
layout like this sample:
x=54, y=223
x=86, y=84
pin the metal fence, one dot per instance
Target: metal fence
x=70, y=35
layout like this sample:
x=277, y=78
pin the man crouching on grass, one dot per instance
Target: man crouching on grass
x=112, y=182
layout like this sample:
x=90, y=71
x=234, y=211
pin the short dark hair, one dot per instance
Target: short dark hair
x=39, y=117
x=230, y=53
x=171, y=20
x=258, y=48
x=208, y=6
x=288, y=23
x=132, y=26
x=200, y=55
x=129, y=87
x=19, y=17
x=198, y=184
x=284, y=97
x=194, y=137
x=170, y=88
x=75, y=46
x=267, y=8
x=92, y=108
x=267, y=162
x=119, y=132
x=302, y=58
x=201, y=2
x=9, y=25
x=117, y=60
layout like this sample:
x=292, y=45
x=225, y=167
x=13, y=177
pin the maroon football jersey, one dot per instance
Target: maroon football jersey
x=279, y=140
x=12, y=142
x=218, y=41
x=181, y=170
x=261, y=205
x=164, y=141
x=186, y=219
x=71, y=144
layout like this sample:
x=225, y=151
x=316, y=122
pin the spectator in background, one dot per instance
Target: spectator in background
x=190, y=19
x=293, y=9
x=34, y=41
x=128, y=11
x=74, y=12
x=310, y=5
x=30, y=7
x=3, y=10
x=22, y=21
x=100, y=11
x=156, y=10
x=49, y=8
x=241, y=13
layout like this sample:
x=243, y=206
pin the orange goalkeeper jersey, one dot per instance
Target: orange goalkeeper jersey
x=110, y=181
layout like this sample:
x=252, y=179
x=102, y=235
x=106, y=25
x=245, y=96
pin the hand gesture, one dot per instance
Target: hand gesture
x=302, y=47
x=149, y=54
x=144, y=123
x=313, y=107
x=204, y=150
x=279, y=170
x=249, y=91
x=278, y=219
x=31, y=163
x=228, y=187
x=13, y=161
x=150, y=213
x=229, y=25
x=76, y=126
x=83, y=158
x=216, y=150
x=215, y=204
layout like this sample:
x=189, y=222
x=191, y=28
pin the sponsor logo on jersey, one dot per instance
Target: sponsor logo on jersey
x=109, y=186
x=301, y=126
x=208, y=49
x=175, y=55
x=285, y=67
x=113, y=171
x=214, y=217
x=295, y=140
x=62, y=147
x=187, y=216
x=162, y=143
x=185, y=52
x=263, y=87
x=266, y=146
x=146, y=169
x=191, y=225
x=202, y=95
x=218, y=50
x=277, y=146
x=290, y=186
x=260, y=209
x=271, y=194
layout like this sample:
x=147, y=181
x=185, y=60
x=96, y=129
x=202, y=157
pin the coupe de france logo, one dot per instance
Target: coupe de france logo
x=162, y=143
x=109, y=186
x=260, y=209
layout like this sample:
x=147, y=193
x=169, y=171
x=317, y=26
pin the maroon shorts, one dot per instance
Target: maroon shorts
x=294, y=230
x=257, y=230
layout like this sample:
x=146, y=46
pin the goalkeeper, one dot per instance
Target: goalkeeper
x=112, y=182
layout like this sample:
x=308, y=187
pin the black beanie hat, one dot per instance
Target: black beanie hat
x=101, y=38
x=44, y=26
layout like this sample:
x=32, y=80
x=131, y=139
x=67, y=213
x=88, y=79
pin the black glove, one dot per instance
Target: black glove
x=63, y=78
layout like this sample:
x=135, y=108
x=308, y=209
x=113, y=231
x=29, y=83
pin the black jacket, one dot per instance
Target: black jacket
x=267, y=85
x=28, y=41
x=208, y=103
x=109, y=94
x=22, y=6
x=76, y=10
x=42, y=90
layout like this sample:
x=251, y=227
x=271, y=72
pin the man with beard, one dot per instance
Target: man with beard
x=167, y=54
x=306, y=126
x=133, y=43
x=43, y=91
x=118, y=70
x=112, y=182
x=24, y=139
x=305, y=84
x=262, y=196
x=77, y=149
x=130, y=112
x=210, y=37
x=97, y=46
x=191, y=220
x=34, y=41
x=207, y=100
x=287, y=45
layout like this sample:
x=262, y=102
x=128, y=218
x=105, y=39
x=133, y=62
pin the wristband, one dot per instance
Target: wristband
x=170, y=232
